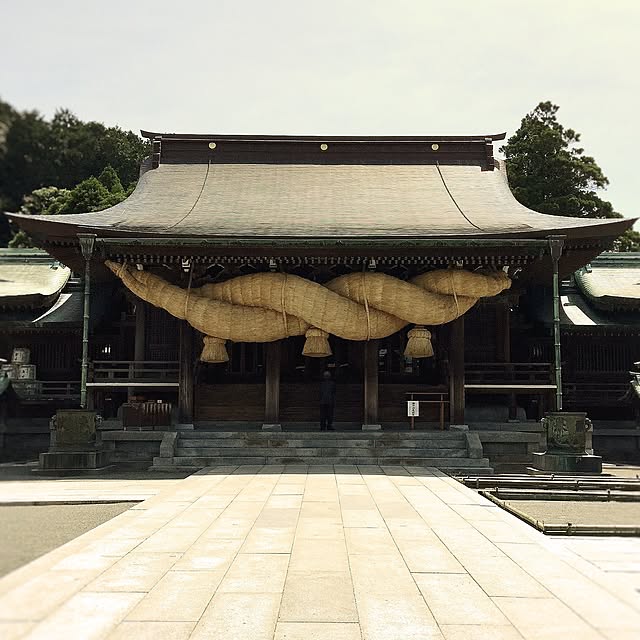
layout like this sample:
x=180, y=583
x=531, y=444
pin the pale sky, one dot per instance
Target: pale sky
x=377, y=67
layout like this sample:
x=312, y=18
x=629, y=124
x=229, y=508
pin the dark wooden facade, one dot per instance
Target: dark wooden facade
x=215, y=207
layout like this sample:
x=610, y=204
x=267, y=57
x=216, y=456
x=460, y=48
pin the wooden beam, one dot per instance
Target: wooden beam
x=456, y=367
x=273, y=356
x=370, y=422
x=503, y=342
x=185, y=374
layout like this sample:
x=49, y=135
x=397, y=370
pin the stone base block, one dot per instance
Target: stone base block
x=565, y=463
x=271, y=427
x=372, y=427
x=73, y=460
x=458, y=427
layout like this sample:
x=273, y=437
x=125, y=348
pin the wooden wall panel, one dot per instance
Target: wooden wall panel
x=224, y=402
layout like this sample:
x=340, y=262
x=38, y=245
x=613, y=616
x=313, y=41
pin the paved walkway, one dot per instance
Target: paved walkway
x=80, y=491
x=338, y=553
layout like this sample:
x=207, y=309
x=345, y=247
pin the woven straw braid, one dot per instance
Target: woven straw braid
x=250, y=308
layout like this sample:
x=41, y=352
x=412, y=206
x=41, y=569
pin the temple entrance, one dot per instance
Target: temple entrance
x=232, y=391
x=237, y=391
x=301, y=376
x=401, y=378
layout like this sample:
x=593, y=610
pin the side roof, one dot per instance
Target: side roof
x=30, y=278
x=321, y=187
x=612, y=282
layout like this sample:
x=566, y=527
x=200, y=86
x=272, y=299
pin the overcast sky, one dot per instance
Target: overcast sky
x=375, y=67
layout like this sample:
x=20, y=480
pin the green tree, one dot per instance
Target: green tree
x=89, y=195
x=549, y=172
x=20, y=240
x=109, y=178
x=61, y=152
x=45, y=201
x=628, y=241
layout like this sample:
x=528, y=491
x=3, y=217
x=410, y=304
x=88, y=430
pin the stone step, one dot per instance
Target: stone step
x=355, y=435
x=364, y=452
x=188, y=442
x=441, y=463
x=485, y=471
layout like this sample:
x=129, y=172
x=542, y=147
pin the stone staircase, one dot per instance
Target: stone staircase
x=451, y=451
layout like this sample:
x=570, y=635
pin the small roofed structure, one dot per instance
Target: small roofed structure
x=30, y=279
x=600, y=323
x=612, y=282
x=40, y=320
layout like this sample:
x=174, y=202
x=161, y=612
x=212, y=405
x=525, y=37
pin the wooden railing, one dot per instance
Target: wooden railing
x=512, y=373
x=47, y=390
x=132, y=372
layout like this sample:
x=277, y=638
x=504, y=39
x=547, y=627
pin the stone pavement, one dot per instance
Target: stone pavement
x=80, y=491
x=296, y=553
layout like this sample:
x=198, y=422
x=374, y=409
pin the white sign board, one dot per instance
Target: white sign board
x=413, y=408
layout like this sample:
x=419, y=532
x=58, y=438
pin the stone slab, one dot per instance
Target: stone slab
x=340, y=552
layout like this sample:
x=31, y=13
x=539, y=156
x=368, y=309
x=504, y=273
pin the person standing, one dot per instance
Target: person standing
x=327, y=402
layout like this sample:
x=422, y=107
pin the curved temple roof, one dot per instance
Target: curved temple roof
x=612, y=282
x=238, y=187
x=29, y=278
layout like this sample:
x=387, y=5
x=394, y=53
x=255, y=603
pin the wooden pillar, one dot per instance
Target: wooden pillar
x=370, y=422
x=185, y=375
x=138, y=342
x=456, y=369
x=503, y=327
x=273, y=358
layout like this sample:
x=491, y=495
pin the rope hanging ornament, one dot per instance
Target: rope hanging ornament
x=264, y=307
x=366, y=304
x=418, y=343
x=214, y=350
x=316, y=344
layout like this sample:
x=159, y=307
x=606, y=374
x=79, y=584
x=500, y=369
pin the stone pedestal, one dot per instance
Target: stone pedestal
x=272, y=427
x=372, y=427
x=568, y=443
x=567, y=463
x=72, y=445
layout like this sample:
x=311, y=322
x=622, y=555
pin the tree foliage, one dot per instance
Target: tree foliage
x=92, y=194
x=45, y=201
x=550, y=173
x=64, y=151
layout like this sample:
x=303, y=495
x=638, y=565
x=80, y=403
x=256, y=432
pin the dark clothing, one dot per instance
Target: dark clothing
x=327, y=403
x=326, y=417
x=327, y=392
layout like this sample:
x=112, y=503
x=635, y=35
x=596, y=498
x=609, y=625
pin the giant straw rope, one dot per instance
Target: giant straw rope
x=264, y=307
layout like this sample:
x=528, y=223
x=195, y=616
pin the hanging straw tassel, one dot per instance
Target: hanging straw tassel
x=419, y=343
x=214, y=350
x=317, y=343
